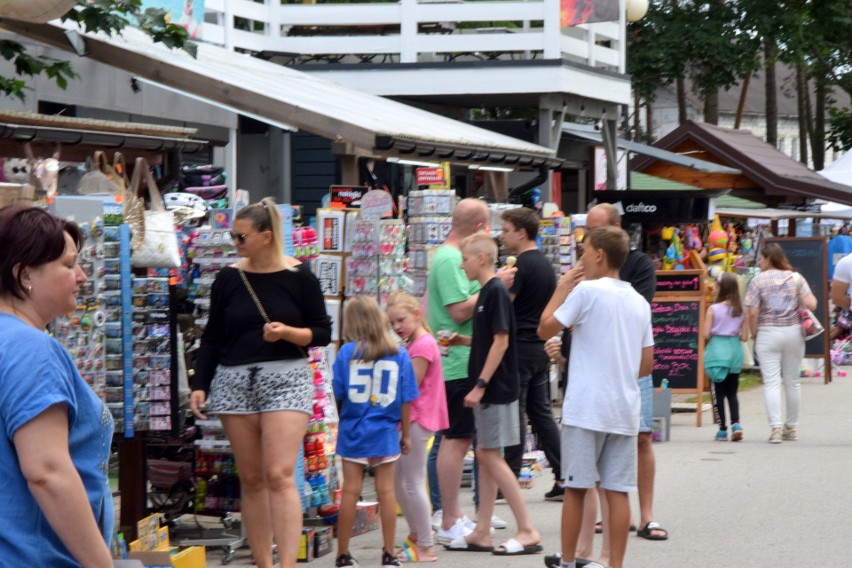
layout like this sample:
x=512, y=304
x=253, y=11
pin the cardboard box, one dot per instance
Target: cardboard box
x=190, y=557
x=366, y=517
x=16, y=193
x=323, y=542
x=306, y=545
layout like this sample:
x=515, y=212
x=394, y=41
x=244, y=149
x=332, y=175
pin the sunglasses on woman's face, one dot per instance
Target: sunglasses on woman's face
x=241, y=238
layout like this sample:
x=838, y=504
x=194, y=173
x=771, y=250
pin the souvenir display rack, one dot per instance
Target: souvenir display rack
x=429, y=223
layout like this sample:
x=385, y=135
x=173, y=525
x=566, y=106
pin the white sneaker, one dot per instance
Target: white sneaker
x=460, y=529
x=498, y=523
x=437, y=517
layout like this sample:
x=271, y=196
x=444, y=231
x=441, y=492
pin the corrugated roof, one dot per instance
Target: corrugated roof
x=291, y=97
x=762, y=164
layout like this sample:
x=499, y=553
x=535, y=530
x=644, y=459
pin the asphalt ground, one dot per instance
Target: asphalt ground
x=732, y=504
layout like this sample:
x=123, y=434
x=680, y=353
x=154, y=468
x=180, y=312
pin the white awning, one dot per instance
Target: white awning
x=374, y=124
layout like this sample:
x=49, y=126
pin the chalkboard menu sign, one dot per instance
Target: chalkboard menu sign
x=678, y=281
x=677, y=348
x=808, y=257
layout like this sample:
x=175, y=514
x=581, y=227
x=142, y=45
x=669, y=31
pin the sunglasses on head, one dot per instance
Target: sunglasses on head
x=241, y=238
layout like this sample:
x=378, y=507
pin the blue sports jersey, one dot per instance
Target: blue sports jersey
x=373, y=394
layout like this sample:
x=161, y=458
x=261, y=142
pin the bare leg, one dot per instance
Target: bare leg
x=646, y=470
x=450, y=465
x=619, y=524
x=498, y=470
x=282, y=432
x=487, y=495
x=387, y=504
x=243, y=431
x=572, y=516
x=605, y=554
x=353, y=478
x=586, y=542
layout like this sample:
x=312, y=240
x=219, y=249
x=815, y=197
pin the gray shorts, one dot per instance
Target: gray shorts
x=497, y=425
x=589, y=457
x=262, y=387
x=646, y=412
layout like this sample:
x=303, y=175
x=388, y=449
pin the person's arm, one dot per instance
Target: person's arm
x=646, y=364
x=752, y=321
x=405, y=425
x=207, y=358
x=456, y=339
x=708, y=323
x=806, y=296
x=462, y=311
x=42, y=448
x=744, y=327
x=499, y=345
x=317, y=328
x=554, y=351
x=421, y=365
x=548, y=325
x=840, y=294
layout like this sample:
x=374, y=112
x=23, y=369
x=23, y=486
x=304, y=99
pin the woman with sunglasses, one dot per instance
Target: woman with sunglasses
x=56, y=433
x=264, y=311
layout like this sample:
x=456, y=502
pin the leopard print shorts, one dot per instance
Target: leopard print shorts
x=262, y=387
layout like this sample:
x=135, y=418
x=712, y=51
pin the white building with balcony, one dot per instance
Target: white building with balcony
x=458, y=59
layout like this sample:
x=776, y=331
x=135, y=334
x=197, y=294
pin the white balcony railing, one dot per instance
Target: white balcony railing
x=412, y=31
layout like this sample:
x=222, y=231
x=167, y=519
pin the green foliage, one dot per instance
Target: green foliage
x=840, y=128
x=110, y=16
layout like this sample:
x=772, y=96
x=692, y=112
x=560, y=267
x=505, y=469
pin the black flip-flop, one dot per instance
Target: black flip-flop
x=461, y=545
x=647, y=532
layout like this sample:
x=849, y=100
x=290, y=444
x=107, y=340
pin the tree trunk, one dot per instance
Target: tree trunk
x=801, y=101
x=637, y=122
x=818, y=140
x=738, y=119
x=649, y=122
x=681, y=100
x=711, y=108
x=770, y=52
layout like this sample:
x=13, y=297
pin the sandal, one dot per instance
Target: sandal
x=647, y=532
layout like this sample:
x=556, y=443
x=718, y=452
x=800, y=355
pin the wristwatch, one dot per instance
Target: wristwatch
x=481, y=383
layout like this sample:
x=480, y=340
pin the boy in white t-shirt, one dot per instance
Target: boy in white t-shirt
x=612, y=346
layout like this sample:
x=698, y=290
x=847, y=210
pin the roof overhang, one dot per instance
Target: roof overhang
x=589, y=135
x=289, y=97
x=768, y=175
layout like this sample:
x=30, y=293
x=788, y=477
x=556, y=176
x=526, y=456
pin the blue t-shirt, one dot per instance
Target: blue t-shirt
x=373, y=394
x=36, y=373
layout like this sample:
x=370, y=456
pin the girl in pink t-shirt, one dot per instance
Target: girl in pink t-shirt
x=428, y=415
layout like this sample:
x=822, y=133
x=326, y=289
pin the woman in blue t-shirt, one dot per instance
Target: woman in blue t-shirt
x=374, y=382
x=55, y=433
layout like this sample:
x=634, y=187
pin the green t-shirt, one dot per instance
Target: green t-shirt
x=447, y=285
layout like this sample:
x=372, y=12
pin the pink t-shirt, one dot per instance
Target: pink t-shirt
x=430, y=408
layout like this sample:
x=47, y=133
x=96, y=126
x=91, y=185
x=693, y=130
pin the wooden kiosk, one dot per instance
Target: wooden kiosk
x=677, y=318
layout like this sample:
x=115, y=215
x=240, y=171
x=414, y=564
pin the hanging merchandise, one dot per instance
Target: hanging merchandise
x=159, y=248
x=429, y=222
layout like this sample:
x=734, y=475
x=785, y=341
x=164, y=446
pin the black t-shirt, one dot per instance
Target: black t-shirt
x=493, y=314
x=638, y=269
x=234, y=331
x=534, y=284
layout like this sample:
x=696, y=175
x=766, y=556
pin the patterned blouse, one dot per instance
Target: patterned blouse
x=777, y=294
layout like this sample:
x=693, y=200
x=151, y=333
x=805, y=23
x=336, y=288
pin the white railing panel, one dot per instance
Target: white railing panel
x=481, y=12
x=212, y=33
x=250, y=10
x=337, y=45
x=479, y=42
x=339, y=14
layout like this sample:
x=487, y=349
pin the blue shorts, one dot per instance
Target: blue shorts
x=646, y=412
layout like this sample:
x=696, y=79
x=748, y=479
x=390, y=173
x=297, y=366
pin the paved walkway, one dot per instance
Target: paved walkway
x=745, y=504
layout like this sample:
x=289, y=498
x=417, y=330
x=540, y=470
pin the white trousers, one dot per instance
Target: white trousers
x=780, y=351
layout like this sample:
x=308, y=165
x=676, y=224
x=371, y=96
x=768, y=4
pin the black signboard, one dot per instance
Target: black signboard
x=676, y=342
x=655, y=207
x=808, y=256
x=677, y=281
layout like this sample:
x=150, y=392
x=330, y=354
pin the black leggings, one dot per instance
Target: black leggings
x=721, y=391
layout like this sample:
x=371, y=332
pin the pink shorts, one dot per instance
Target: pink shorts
x=373, y=462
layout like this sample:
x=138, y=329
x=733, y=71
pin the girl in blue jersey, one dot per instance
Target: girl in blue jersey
x=374, y=382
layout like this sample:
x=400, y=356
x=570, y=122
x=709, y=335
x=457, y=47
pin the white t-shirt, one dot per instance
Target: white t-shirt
x=843, y=270
x=612, y=323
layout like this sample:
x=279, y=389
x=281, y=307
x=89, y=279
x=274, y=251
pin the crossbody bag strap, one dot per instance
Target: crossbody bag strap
x=254, y=296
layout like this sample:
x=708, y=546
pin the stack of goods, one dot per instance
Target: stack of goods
x=429, y=222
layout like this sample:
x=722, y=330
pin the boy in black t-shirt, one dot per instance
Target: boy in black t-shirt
x=494, y=400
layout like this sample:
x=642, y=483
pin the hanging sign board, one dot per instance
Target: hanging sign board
x=343, y=196
x=376, y=204
x=429, y=176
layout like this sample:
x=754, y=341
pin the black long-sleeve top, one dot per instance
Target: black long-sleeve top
x=234, y=332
